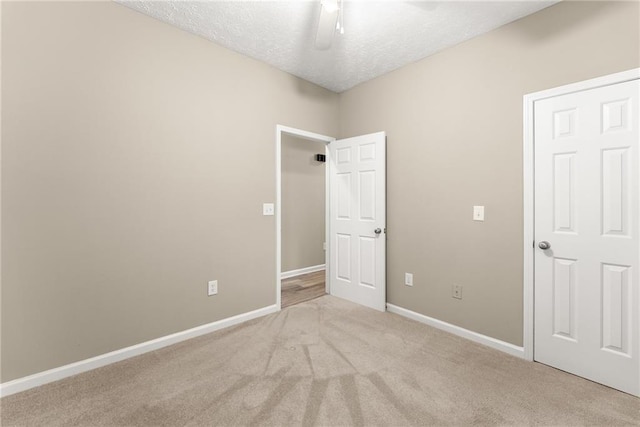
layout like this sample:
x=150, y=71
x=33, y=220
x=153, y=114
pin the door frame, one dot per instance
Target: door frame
x=528, y=156
x=310, y=136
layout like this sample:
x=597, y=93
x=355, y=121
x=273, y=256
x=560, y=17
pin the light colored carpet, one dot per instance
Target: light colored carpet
x=323, y=362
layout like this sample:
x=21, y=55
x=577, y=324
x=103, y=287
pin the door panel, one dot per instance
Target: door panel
x=357, y=210
x=587, y=207
x=615, y=300
x=564, y=298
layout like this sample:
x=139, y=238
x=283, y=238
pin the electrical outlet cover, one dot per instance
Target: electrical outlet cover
x=478, y=213
x=457, y=292
x=212, y=289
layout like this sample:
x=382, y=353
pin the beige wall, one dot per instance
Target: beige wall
x=454, y=126
x=303, y=203
x=135, y=161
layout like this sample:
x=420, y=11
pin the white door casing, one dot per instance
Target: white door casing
x=357, y=210
x=587, y=197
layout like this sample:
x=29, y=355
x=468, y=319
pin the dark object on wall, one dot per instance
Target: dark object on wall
x=321, y=158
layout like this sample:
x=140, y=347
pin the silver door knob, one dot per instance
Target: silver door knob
x=377, y=231
x=544, y=245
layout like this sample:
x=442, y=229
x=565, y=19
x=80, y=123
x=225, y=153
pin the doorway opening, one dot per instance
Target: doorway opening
x=303, y=219
x=355, y=216
x=302, y=211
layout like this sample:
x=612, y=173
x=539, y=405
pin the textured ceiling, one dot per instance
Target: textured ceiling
x=379, y=37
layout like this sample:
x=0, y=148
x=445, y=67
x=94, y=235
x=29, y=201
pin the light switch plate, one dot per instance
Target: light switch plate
x=268, y=209
x=478, y=213
x=408, y=279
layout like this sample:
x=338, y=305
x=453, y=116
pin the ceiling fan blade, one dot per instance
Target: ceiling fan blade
x=327, y=24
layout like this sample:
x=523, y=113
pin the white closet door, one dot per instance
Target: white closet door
x=586, y=211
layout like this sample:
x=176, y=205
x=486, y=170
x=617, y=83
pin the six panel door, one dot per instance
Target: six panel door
x=358, y=216
x=586, y=208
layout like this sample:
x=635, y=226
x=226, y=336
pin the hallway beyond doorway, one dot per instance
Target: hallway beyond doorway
x=303, y=288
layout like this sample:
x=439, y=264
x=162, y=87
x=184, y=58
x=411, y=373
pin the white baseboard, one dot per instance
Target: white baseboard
x=506, y=347
x=300, y=271
x=41, y=378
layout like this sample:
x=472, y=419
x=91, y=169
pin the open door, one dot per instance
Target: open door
x=358, y=219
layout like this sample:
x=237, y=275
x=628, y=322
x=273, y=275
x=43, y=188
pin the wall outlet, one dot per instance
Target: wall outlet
x=212, y=289
x=457, y=291
x=408, y=279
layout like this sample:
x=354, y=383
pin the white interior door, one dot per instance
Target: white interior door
x=358, y=219
x=586, y=208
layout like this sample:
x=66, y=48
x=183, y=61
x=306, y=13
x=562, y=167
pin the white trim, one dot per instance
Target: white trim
x=327, y=220
x=496, y=344
x=621, y=77
x=528, y=206
x=41, y=378
x=528, y=190
x=280, y=129
x=301, y=271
